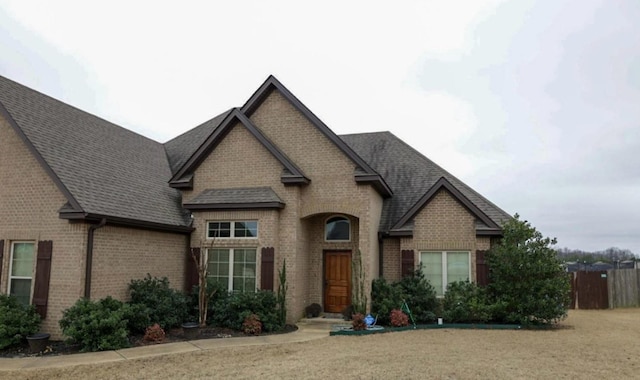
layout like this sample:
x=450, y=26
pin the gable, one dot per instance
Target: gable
x=239, y=160
x=21, y=176
x=183, y=178
x=104, y=170
x=442, y=185
x=412, y=175
x=444, y=219
x=276, y=110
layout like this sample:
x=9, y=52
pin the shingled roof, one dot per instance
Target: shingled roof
x=411, y=175
x=103, y=170
x=106, y=171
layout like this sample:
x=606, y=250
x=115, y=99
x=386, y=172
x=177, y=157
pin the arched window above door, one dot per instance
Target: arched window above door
x=337, y=228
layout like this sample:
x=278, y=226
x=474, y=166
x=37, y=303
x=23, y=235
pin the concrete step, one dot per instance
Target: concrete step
x=323, y=323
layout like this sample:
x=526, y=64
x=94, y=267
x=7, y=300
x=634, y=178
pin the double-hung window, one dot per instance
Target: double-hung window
x=443, y=268
x=21, y=271
x=233, y=268
x=232, y=229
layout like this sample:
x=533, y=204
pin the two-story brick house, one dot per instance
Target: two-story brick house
x=86, y=206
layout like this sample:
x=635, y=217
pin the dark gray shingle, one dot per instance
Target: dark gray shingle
x=410, y=175
x=108, y=170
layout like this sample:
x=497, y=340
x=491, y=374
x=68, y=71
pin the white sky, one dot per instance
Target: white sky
x=534, y=104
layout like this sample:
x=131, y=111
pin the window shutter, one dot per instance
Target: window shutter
x=1, y=258
x=266, y=268
x=43, y=275
x=482, y=269
x=191, y=276
x=408, y=263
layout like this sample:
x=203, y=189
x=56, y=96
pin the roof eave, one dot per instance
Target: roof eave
x=377, y=182
x=126, y=222
x=233, y=206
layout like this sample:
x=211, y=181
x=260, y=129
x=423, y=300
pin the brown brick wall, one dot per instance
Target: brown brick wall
x=123, y=254
x=444, y=224
x=29, y=204
x=241, y=161
x=392, y=260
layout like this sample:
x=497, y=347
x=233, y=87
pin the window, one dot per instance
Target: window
x=234, y=268
x=21, y=271
x=245, y=229
x=337, y=228
x=443, y=268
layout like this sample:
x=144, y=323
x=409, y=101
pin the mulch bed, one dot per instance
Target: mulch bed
x=173, y=335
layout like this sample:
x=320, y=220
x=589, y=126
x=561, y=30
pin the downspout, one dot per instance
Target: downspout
x=89, y=262
x=380, y=255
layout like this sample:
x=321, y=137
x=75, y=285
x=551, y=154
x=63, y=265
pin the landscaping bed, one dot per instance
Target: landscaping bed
x=172, y=335
x=478, y=326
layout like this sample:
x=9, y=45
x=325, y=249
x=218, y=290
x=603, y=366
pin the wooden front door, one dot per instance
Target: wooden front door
x=337, y=280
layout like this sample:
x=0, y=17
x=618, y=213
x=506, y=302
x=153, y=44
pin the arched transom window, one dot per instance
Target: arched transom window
x=337, y=228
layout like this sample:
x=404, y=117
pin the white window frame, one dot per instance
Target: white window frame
x=232, y=229
x=232, y=262
x=445, y=280
x=324, y=229
x=12, y=277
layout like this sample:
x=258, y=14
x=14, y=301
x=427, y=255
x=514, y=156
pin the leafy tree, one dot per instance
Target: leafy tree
x=527, y=282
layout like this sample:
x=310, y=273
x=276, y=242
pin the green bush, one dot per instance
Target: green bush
x=162, y=304
x=415, y=290
x=420, y=297
x=385, y=296
x=231, y=310
x=97, y=325
x=16, y=321
x=466, y=302
x=527, y=282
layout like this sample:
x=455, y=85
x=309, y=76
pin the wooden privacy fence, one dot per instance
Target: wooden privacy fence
x=624, y=288
x=605, y=289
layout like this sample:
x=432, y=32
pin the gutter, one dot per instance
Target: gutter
x=89, y=261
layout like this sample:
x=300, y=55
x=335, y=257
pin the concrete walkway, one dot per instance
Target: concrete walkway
x=307, y=330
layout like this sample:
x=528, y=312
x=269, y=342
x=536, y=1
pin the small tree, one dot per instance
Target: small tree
x=204, y=294
x=527, y=281
x=357, y=278
x=282, y=293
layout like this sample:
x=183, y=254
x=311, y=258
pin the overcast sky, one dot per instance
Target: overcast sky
x=535, y=104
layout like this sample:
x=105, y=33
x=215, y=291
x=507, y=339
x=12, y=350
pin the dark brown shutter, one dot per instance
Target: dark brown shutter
x=482, y=269
x=266, y=268
x=408, y=263
x=43, y=275
x=1, y=258
x=191, y=276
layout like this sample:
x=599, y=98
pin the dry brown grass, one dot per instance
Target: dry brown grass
x=589, y=344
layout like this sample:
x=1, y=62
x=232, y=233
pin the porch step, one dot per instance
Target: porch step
x=324, y=323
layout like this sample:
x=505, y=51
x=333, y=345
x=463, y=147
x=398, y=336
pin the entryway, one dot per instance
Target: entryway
x=337, y=280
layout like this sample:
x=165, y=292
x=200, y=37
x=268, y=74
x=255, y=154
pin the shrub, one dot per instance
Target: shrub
x=230, y=310
x=385, y=297
x=165, y=306
x=466, y=302
x=420, y=297
x=16, y=321
x=415, y=290
x=252, y=324
x=527, y=282
x=97, y=326
x=154, y=334
x=399, y=318
x=313, y=310
x=358, y=323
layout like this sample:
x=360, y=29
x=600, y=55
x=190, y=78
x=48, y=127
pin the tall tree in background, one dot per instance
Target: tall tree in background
x=527, y=281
